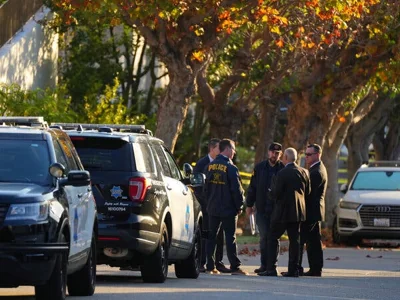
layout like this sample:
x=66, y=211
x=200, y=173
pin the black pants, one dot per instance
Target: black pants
x=310, y=234
x=263, y=224
x=219, y=253
x=277, y=230
x=228, y=224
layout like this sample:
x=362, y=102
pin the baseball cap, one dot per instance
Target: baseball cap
x=275, y=147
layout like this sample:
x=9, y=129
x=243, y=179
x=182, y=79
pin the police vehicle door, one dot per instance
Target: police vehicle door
x=74, y=199
x=179, y=196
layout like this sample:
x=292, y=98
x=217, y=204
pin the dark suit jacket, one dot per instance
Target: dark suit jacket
x=200, y=167
x=290, y=190
x=316, y=203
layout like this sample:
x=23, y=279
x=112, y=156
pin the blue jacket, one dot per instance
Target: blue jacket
x=223, y=188
x=200, y=167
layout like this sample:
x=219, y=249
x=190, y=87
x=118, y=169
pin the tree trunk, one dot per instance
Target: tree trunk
x=173, y=106
x=369, y=115
x=334, y=140
x=267, y=125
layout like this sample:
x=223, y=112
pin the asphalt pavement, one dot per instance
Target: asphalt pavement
x=349, y=273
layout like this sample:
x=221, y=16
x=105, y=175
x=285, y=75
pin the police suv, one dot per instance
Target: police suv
x=148, y=214
x=48, y=222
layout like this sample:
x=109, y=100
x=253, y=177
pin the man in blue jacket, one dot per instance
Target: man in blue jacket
x=213, y=151
x=258, y=195
x=224, y=196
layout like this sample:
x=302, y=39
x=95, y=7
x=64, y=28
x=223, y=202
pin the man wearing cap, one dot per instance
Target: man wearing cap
x=258, y=194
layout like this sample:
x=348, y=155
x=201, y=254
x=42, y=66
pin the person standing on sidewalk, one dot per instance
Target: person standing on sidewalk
x=200, y=167
x=224, y=195
x=310, y=232
x=290, y=191
x=258, y=194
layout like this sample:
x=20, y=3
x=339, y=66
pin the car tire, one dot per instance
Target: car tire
x=83, y=282
x=336, y=237
x=56, y=287
x=155, y=266
x=190, y=267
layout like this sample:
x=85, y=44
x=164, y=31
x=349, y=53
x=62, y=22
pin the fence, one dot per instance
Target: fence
x=14, y=14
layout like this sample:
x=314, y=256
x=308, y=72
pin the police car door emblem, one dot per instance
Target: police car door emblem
x=116, y=192
x=187, y=217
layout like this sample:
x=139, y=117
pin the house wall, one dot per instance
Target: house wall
x=30, y=57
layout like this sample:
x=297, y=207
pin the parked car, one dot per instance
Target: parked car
x=48, y=220
x=370, y=207
x=148, y=214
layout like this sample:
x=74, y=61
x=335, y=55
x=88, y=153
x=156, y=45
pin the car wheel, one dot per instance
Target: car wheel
x=190, y=267
x=83, y=282
x=56, y=287
x=155, y=266
x=336, y=237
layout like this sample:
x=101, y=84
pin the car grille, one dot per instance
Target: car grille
x=3, y=211
x=370, y=212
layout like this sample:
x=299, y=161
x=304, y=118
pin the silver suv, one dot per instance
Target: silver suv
x=370, y=207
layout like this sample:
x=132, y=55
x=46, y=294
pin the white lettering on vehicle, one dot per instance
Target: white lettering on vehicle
x=116, y=208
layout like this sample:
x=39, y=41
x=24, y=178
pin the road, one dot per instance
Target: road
x=349, y=273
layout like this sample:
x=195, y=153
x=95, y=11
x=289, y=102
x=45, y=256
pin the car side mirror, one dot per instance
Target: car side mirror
x=187, y=170
x=197, y=179
x=76, y=178
x=343, y=188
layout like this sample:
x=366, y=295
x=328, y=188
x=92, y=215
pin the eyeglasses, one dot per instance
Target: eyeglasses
x=309, y=154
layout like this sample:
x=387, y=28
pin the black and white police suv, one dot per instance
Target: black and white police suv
x=48, y=220
x=148, y=216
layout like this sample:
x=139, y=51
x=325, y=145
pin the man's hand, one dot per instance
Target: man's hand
x=249, y=211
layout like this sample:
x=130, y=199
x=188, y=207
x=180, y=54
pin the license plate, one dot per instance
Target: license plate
x=382, y=222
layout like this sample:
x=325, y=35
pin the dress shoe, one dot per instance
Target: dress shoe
x=212, y=272
x=223, y=269
x=313, y=273
x=239, y=271
x=290, y=274
x=272, y=273
x=260, y=269
x=202, y=269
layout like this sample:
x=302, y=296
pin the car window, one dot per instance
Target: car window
x=24, y=161
x=60, y=156
x=143, y=158
x=163, y=160
x=69, y=155
x=377, y=180
x=104, y=154
x=176, y=173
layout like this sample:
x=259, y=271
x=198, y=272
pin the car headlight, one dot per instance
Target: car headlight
x=348, y=205
x=28, y=211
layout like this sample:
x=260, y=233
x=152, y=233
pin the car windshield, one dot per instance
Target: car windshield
x=24, y=161
x=377, y=180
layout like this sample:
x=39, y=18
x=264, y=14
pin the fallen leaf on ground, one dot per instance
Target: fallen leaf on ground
x=333, y=258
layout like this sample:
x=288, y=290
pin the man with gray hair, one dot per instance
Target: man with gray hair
x=290, y=190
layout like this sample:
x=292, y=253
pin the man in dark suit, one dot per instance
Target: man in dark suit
x=290, y=190
x=200, y=167
x=315, y=210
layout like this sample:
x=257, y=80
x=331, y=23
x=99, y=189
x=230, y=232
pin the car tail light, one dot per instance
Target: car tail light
x=138, y=187
x=77, y=138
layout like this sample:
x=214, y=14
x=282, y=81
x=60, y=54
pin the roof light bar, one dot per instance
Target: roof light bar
x=24, y=121
x=103, y=127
